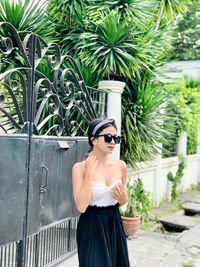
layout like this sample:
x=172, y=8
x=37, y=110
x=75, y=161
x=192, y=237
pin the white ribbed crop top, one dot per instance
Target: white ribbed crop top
x=101, y=194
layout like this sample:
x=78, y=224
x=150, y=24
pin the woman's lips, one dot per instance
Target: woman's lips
x=111, y=147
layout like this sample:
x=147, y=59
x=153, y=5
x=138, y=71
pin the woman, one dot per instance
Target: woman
x=99, y=190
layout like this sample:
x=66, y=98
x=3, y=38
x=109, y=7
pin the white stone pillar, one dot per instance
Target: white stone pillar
x=181, y=146
x=114, y=106
x=157, y=181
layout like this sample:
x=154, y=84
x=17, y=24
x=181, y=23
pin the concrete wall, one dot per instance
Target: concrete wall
x=178, y=69
x=162, y=190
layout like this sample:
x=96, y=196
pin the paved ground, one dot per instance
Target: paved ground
x=151, y=248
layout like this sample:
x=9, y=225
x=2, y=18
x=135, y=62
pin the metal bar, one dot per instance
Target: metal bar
x=36, y=251
x=68, y=237
x=19, y=253
x=9, y=254
x=30, y=130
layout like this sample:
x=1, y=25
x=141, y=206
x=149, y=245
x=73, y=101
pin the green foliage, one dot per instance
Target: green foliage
x=25, y=15
x=185, y=104
x=115, y=37
x=139, y=13
x=111, y=47
x=63, y=11
x=116, y=47
x=187, y=35
x=176, y=180
x=142, y=121
x=187, y=264
x=139, y=202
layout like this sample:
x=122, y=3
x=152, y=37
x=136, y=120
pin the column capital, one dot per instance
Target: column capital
x=114, y=86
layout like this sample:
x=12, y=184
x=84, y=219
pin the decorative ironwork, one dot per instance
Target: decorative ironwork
x=52, y=107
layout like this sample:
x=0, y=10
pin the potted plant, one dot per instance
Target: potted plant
x=137, y=208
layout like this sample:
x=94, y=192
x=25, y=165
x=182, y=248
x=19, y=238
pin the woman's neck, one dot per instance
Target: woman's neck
x=101, y=156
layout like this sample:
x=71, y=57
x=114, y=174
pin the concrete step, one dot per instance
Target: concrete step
x=177, y=221
x=191, y=196
x=191, y=207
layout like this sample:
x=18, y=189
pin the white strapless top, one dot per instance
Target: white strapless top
x=101, y=194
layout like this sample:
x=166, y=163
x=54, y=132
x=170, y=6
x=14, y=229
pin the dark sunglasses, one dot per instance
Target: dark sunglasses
x=108, y=138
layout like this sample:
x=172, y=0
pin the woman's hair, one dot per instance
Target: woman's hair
x=95, y=127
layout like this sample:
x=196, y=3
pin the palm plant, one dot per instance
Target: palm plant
x=67, y=17
x=138, y=12
x=170, y=8
x=27, y=15
x=118, y=50
x=64, y=11
x=109, y=46
x=142, y=121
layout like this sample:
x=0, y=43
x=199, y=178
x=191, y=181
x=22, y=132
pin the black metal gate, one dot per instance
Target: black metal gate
x=38, y=217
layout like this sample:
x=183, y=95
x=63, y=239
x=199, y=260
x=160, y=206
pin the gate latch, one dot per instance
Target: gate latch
x=43, y=187
x=62, y=145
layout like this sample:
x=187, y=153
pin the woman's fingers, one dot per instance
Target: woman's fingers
x=118, y=189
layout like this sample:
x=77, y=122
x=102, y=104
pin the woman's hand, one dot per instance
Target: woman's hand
x=90, y=166
x=119, y=193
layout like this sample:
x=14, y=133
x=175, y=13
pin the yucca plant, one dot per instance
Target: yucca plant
x=138, y=12
x=67, y=17
x=170, y=9
x=27, y=15
x=112, y=47
x=142, y=121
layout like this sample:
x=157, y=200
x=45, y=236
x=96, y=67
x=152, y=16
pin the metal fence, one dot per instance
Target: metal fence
x=42, y=116
x=44, y=247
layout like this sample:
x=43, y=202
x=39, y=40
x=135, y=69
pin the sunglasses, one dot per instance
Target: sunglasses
x=108, y=138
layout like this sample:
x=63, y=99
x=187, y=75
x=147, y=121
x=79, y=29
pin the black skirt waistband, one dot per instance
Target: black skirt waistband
x=103, y=208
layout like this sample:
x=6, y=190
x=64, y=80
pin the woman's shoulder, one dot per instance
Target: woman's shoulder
x=79, y=165
x=120, y=163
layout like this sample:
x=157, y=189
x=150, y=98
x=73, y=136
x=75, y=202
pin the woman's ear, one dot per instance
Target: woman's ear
x=93, y=140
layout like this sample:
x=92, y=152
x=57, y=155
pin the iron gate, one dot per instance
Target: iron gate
x=38, y=218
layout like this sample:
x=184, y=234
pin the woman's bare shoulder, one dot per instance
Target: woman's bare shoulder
x=120, y=163
x=79, y=165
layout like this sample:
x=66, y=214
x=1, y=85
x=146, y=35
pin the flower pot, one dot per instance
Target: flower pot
x=131, y=224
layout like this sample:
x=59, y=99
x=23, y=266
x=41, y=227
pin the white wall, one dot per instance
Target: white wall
x=163, y=191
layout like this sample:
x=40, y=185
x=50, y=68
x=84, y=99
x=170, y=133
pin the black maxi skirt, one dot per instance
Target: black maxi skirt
x=101, y=239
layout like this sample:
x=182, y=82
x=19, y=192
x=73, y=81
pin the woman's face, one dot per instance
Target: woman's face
x=100, y=143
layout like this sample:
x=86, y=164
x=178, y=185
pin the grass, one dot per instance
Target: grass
x=196, y=216
x=188, y=264
x=162, y=230
x=196, y=187
x=166, y=208
x=196, y=255
x=148, y=224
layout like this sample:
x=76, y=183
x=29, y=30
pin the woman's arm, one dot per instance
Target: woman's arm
x=82, y=176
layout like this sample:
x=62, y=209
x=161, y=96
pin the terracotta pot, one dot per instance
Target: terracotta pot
x=131, y=224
